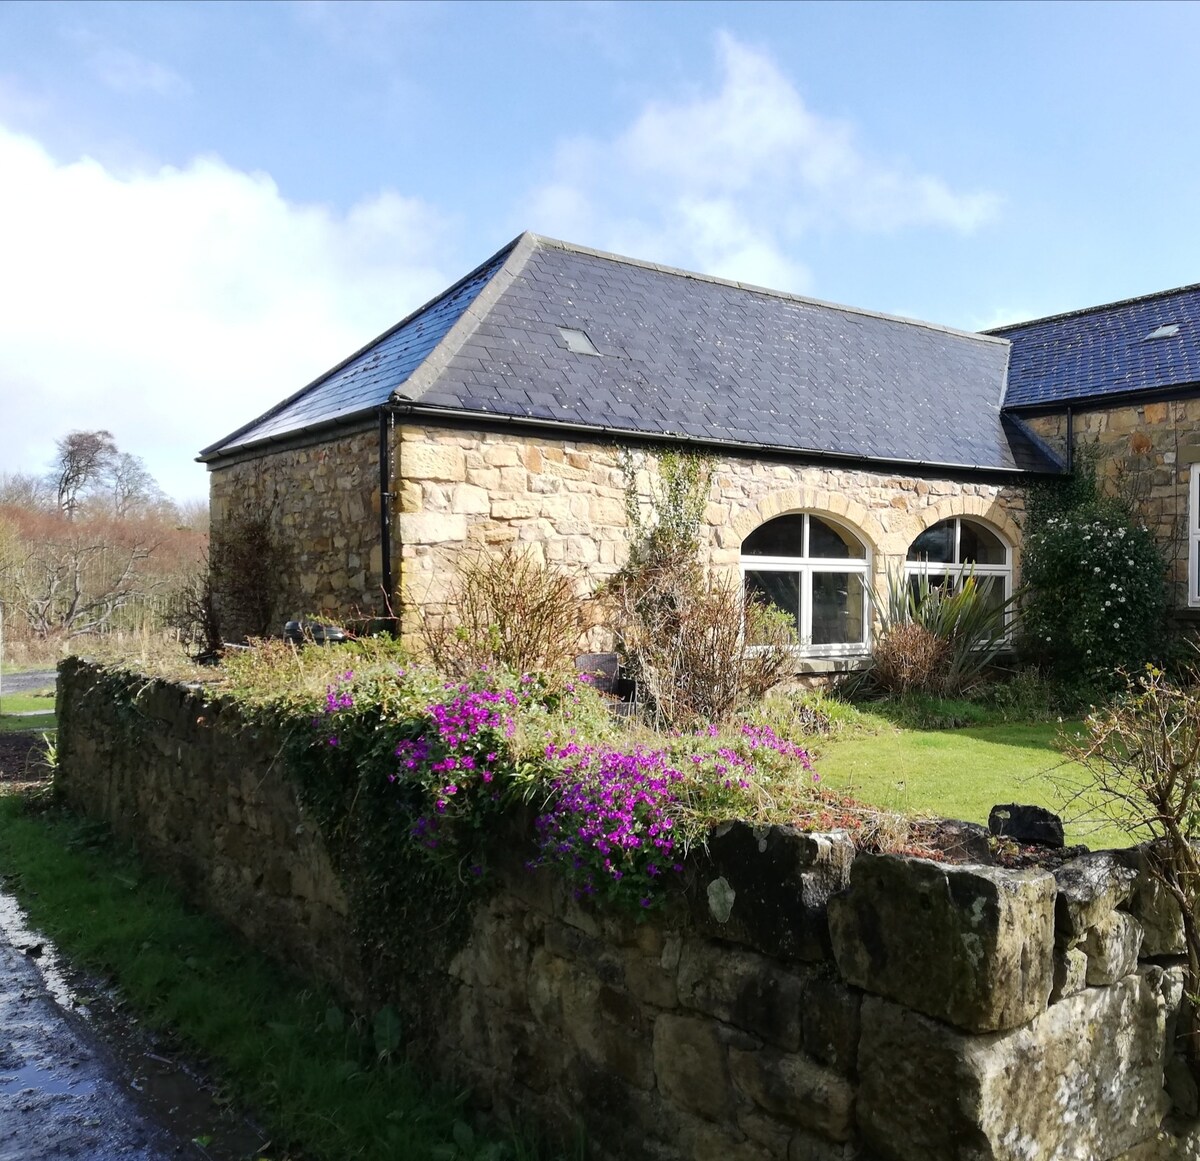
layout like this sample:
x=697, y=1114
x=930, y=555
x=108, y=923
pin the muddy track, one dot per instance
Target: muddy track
x=80, y=1080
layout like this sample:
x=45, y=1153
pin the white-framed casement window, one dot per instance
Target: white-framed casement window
x=952, y=549
x=1193, y=571
x=816, y=571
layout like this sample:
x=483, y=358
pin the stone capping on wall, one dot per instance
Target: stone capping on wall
x=796, y=1000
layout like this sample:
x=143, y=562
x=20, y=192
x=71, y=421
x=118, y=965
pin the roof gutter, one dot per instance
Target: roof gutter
x=385, y=520
x=414, y=409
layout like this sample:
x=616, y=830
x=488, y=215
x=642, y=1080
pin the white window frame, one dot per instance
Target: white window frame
x=806, y=567
x=957, y=570
x=1193, y=539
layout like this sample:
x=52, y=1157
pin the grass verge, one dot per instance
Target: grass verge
x=324, y=1084
x=963, y=773
x=26, y=703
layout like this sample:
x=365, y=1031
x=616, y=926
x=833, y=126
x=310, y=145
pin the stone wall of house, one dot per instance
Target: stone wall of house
x=795, y=1002
x=1145, y=452
x=565, y=502
x=461, y=490
x=321, y=504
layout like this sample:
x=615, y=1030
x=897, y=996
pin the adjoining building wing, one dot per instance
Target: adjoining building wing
x=1141, y=347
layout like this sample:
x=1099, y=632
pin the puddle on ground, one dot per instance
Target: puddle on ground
x=79, y=1078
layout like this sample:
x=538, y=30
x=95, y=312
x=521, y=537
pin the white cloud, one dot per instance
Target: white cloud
x=733, y=180
x=172, y=306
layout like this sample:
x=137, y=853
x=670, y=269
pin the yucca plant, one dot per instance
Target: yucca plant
x=937, y=638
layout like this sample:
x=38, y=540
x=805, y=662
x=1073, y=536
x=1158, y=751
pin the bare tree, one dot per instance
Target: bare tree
x=22, y=490
x=74, y=576
x=81, y=461
x=134, y=489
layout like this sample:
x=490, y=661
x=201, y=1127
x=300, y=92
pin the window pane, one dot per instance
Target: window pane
x=838, y=608
x=781, y=589
x=919, y=582
x=783, y=536
x=991, y=588
x=976, y=545
x=829, y=541
x=936, y=544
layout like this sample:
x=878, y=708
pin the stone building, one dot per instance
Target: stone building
x=847, y=444
x=1125, y=377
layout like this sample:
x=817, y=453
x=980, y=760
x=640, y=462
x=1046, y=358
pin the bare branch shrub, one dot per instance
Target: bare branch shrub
x=909, y=657
x=1142, y=756
x=698, y=647
x=510, y=610
x=245, y=560
x=700, y=650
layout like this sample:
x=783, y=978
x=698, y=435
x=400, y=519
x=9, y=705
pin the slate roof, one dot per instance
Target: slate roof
x=681, y=356
x=1105, y=351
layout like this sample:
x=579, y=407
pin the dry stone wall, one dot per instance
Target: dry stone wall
x=1145, y=454
x=796, y=1002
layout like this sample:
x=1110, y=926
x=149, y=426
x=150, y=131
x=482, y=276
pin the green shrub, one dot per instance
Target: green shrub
x=1095, y=600
x=937, y=639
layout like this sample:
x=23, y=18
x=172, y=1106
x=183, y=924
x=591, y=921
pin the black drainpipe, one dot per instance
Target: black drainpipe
x=1070, y=441
x=385, y=521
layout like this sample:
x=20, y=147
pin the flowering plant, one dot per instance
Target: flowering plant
x=1096, y=600
x=620, y=820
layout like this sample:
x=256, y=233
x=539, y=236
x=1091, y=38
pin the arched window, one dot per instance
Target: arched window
x=816, y=572
x=958, y=547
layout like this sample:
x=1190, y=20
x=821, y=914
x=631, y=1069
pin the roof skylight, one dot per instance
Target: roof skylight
x=577, y=341
x=1166, y=331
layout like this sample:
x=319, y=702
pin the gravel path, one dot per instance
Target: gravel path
x=79, y=1079
x=28, y=681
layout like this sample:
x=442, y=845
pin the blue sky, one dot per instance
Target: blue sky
x=205, y=205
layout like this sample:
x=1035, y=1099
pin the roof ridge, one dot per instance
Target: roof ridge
x=1097, y=309
x=754, y=288
x=426, y=374
x=329, y=372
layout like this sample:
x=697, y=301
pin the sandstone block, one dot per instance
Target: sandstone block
x=431, y=527
x=515, y=509
x=743, y=989
x=831, y=1021
x=792, y=1086
x=1089, y=888
x=604, y=510
x=430, y=461
x=1061, y=1088
x=692, y=1066
x=1154, y=908
x=969, y=945
x=470, y=499
x=1070, y=973
x=778, y=881
x=1111, y=946
x=501, y=455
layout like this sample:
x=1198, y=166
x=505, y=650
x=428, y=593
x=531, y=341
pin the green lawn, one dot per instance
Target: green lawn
x=963, y=773
x=27, y=711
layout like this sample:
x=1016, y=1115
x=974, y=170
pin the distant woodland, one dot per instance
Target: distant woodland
x=92, y=546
